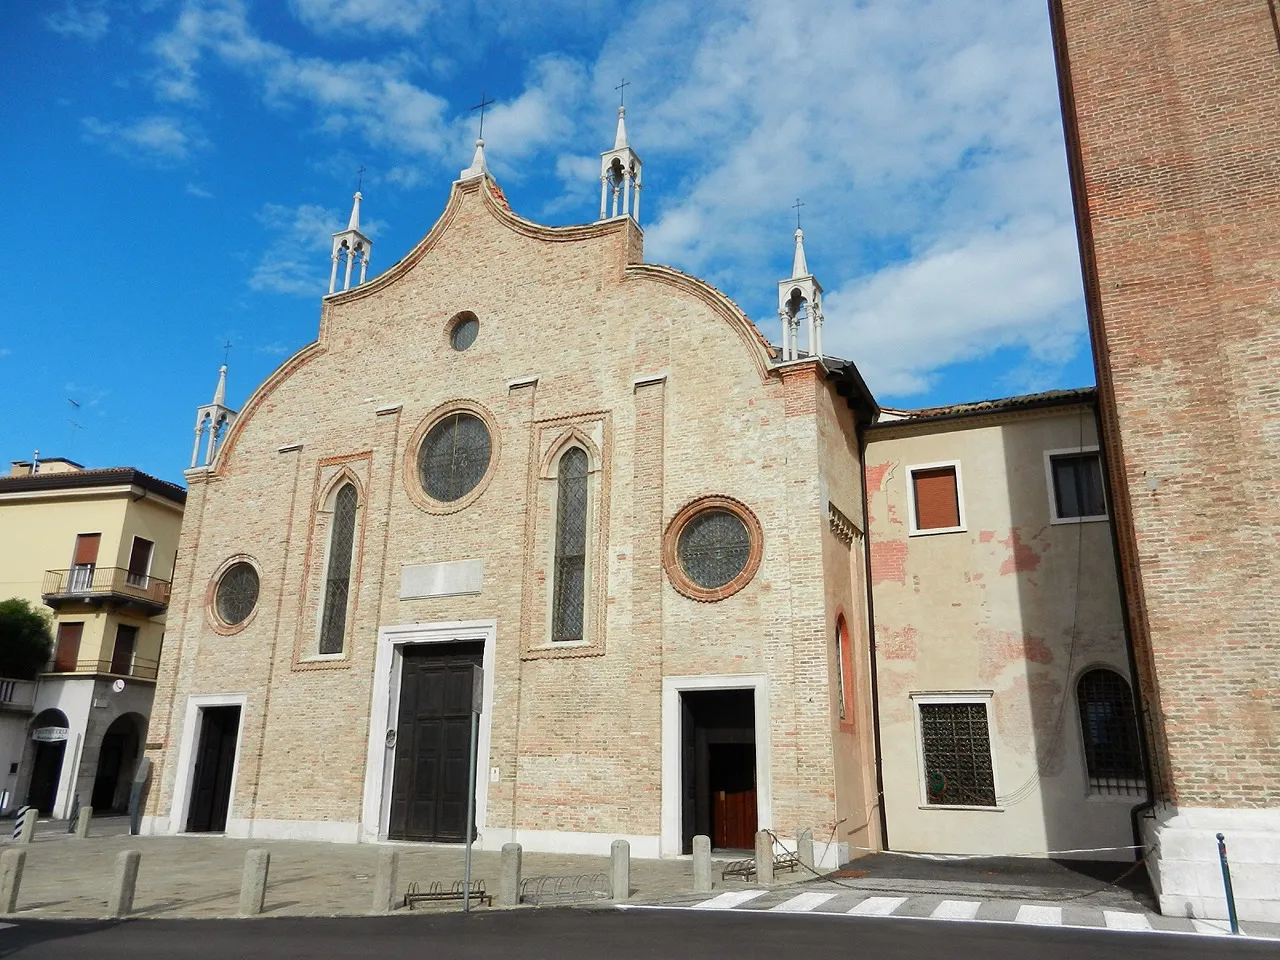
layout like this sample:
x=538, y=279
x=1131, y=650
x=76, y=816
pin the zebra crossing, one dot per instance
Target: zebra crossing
x=827, y=900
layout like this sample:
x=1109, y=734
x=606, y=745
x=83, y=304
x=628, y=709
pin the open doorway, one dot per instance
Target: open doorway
x=49, y=733
x=718, y=768
x=117, y=758
x=215, y=764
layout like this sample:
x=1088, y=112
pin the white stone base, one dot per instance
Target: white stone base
x=1182, y=858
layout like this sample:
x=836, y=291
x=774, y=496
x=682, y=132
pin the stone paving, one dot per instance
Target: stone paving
x=194, y=876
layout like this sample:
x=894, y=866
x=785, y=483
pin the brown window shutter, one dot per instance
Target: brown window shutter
x=87, y=548
x=937, y=506
x=68, y=651
x=140, y=557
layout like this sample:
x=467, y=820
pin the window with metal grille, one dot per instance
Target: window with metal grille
x=1077, y=486
x=936, y=499
x=454, y=457
x=463, y=331
x=957, y=755
x=571, y=547
x=1112, y=756
x=714, y=548
x=337, y=582
x=237, y=593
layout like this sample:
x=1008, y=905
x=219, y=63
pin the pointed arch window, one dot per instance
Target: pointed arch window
x=571, y=547
x=1109, y=724
x=337, y=585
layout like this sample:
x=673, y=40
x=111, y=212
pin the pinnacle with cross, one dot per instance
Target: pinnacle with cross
x=485, y=101
x=622, y=91
x=796, y=206
x=360, y=178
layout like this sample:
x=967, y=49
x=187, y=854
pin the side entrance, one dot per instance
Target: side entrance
x=433, y=742
x=718, y=768
x=215, y=763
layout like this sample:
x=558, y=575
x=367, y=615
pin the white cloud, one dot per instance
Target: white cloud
x=156, y=139
x=87, y=21
x=373, y=16
x=195, y=190
x=296, y=260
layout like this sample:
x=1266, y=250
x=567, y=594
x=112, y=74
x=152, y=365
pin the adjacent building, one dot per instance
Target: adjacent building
x=97, y=548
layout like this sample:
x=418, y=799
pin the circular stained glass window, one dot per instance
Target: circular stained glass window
x=464, y=331
x=454, y=457
x=714, y=547
x=237, y=593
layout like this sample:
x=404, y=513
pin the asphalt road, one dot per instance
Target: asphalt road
x=569, y=934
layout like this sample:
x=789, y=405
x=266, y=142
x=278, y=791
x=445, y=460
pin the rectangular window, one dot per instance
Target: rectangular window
x=140, y=562
x=126, y=643
x=1075, y=479
x=67, y=652
x=956, y=748
x=83, y=561
x=935, y=498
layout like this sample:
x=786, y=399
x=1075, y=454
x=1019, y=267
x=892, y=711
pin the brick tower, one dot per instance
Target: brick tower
x=1173, y=133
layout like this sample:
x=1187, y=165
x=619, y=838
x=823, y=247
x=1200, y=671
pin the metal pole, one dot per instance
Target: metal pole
x=1226, y=882
x=471, y=811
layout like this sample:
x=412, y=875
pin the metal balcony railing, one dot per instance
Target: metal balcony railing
x=138, y=667
x=91, y=582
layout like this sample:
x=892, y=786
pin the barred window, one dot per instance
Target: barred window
x=571, y=547
x=454, y=457
x=714, y=548
x=957, y=754
x=1109, y=725
x=237, y=594
x=342, y=535
x=1077, y=486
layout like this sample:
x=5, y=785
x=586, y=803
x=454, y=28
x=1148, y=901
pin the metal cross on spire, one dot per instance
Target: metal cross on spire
x=796, y=206
x=622, y=91
x=226, y=352
x=360, y=178
x=484, y=102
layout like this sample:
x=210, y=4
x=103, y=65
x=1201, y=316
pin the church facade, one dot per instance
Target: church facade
x=524, y=448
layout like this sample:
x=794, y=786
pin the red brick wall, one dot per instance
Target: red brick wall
x=1172, y=112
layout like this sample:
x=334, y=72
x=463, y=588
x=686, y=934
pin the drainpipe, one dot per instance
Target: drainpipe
x=871, y=639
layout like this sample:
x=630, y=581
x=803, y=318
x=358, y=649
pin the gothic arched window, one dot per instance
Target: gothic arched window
x=337, y=582
x=571, y=547
x=1109, y=724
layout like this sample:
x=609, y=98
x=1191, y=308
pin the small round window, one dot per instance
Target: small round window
x=463, y=331
x=454, y=457
x=714, y=547
x=237, y=594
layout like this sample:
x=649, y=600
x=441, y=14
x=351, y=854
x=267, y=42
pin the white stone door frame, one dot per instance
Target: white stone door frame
x=192, y=723
x=672, y=687
x=376, y=808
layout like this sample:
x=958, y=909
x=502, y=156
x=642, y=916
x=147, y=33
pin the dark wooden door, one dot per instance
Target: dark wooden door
x=122, y=654
x=433, y=742
x=215, y=761
x=45, y=772
x=733, y=776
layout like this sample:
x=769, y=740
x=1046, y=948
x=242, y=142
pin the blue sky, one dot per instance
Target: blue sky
x=174, y=169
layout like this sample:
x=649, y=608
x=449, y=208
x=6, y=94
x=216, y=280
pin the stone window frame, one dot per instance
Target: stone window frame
x=412, y=478
x=1124, y=789
x=844, y=678
x=216, y=623
x=456, y=321
x=331, y=473
x=551, y=438
x=671, y=548
x=913, y=529
x=1051, y=488
x=984, y=697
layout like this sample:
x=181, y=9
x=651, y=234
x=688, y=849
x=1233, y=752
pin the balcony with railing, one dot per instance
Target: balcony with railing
x=114, y=586
x=140, y=668
x=17, y=695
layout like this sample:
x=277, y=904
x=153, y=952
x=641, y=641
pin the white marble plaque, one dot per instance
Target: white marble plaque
x=453, y=578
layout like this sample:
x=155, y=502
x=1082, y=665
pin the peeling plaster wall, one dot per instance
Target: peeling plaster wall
x=1013, y=606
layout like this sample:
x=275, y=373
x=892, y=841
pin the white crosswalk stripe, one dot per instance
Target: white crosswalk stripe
x=803, y=903
x=727, y=901
x=956, y=910
x=1121, y=920
x=1041, y=916
x=877, y=906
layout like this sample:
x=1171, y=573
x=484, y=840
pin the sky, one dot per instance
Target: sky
x=174, y=170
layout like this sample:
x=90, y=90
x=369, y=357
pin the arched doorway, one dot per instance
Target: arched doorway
x=49, y=733
x=117, y=757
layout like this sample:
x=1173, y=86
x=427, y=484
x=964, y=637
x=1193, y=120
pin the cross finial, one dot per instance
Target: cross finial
x=796, y=206
x=360, y=178
x=226, y=349
x=484, y=102
x=622, y=91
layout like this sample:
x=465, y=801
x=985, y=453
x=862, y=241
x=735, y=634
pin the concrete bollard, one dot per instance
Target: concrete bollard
x=83, y=821
x=509, y=882
x=764, y=858
x=253, y=887
x=701, y=864
x=12, y=863
x=620, y=874
x=804, y=849
x=126, y=880
x=384, y=881
x=28, y=829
